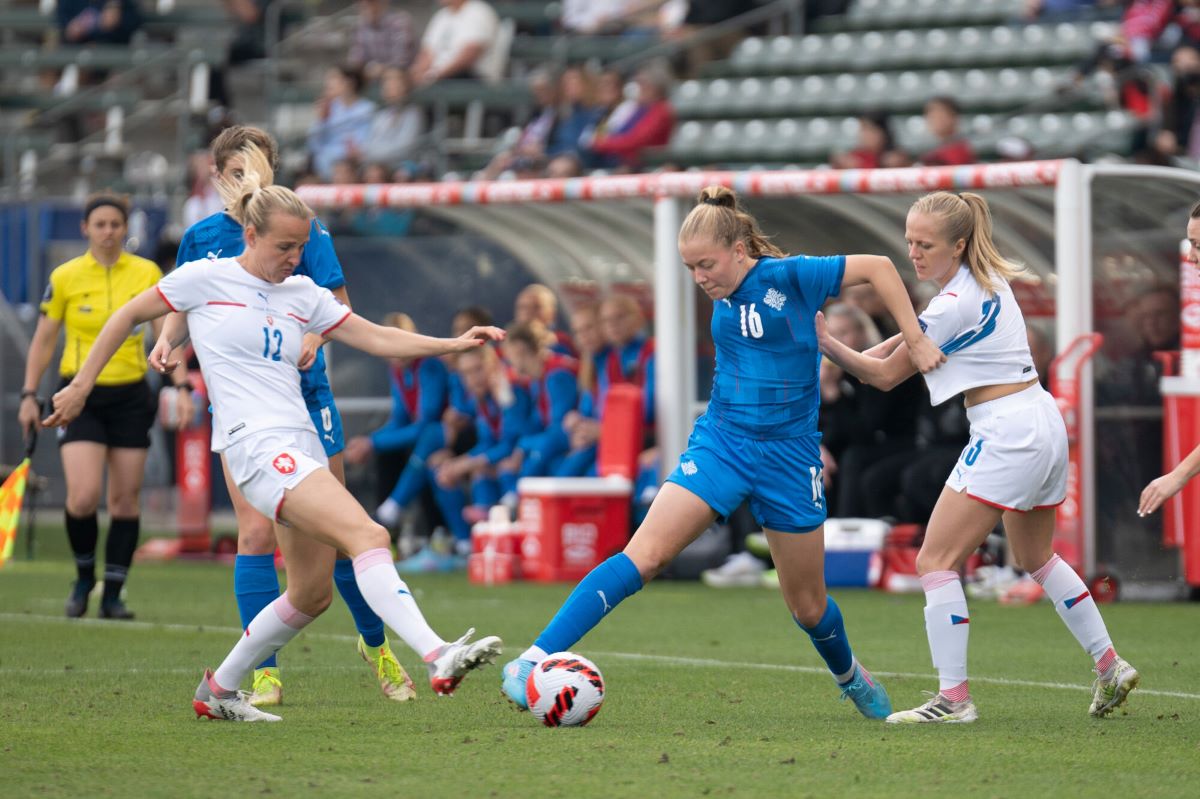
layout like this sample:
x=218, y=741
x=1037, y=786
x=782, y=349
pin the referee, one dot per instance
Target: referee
x=114, y=426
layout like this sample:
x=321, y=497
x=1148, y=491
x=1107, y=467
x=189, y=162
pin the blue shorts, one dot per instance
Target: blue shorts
x=318, y=396
x=781, y=478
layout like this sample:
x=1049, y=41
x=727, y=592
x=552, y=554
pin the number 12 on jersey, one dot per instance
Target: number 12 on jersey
x=269, y=334
x=751, y=321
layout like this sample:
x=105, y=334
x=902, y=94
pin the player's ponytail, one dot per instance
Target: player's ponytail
x=718, y=218
x=253, y=199
x=966, y=217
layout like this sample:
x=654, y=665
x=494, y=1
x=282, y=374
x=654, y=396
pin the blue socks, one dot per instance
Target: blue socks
x=829, y=637
x=255, y=585
x=598, y=593
x=369, y=625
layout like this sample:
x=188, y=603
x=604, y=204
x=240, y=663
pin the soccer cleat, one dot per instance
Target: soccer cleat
x=428, y=560
x=115, y=609
x=77, y=602
x=1111, y=693
x=740, y=570
x=516, y=675
x=868, y=696
x=938, y=710
x=393, y=679
x=455, y=659
x=210, y=703
x=267, y=688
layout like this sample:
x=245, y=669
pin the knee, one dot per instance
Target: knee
x=256, y=535
x=373, y=536
x=310, y=600
x=808, y=607
x=649, y=563
x=124, y=506
x=928, y=562
x=82, y=504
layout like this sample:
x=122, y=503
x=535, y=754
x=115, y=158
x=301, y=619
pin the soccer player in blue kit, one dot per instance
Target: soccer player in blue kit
x=255, y=581
x=758, y=440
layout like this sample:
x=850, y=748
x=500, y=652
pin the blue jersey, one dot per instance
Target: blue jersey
x=220, y=236
x=766, y=380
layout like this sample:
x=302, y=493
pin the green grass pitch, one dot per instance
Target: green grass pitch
x=710, y=693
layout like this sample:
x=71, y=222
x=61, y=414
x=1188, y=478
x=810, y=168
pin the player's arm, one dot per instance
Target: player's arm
x=41, y=352
x=1163, y=488
x=69, y=401
x=881, y=273
x=882, y=373
x=392, y=342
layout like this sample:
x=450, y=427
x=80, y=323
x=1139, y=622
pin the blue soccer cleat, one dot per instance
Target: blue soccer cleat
x=868, y=695
x=516, y=674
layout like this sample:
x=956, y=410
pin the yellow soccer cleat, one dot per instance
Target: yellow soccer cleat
x=267, y=689
x=393, y=679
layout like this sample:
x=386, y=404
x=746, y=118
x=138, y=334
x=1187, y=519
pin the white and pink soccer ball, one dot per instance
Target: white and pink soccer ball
x=565, y=690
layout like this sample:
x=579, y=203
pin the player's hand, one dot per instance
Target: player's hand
x=925, y=355
x=1159, y=491
x=27, y=414
x=67, y=404
x=475, y=337
x=358, y=449
x=822, y=328
x=309, y=346
x=160, y=357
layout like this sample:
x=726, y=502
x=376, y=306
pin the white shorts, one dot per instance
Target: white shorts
x=1017, y=456
x=265, y=465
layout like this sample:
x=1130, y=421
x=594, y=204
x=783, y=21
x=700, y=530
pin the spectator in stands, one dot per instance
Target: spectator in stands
x=1055, y=10
x=343, y=120
x=860, y=425
x=952, y=149
x=1142, y=24
x=98, y=21
x=537, y=303
x=203, y=200
x=344, y=172
x=702, y=15
x=382, y=38
x=578, y=113
x=1179, y=135
x=396, y=127
x=456, y=42
x=649, y=124
x=528, y=156
x=875, y=142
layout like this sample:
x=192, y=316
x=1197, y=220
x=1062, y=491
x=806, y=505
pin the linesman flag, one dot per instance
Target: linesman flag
x=12, y=493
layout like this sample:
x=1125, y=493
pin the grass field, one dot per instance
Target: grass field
x=710, y=693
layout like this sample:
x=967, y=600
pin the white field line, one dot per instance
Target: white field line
x=666, y=660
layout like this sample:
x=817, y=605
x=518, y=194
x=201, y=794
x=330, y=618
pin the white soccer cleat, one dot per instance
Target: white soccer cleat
x=1110, y=694
x=455, y=659
x=938, y=710
x=740, y=570
x=209, y=703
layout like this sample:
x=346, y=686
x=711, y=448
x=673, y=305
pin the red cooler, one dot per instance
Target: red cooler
x=571, y=524
x=495, y=550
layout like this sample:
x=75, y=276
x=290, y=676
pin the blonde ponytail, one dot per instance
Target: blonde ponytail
x=253, y=199
x=717, y=217
x=966, y=216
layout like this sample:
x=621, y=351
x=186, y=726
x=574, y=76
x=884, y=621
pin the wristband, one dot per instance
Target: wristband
x=28, y=393
x=184, y=387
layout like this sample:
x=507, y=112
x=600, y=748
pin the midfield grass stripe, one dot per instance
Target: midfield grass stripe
x=667, y=660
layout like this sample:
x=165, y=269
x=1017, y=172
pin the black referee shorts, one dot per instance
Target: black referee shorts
x=115, y=416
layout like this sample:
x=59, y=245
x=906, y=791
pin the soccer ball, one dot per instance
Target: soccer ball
x=565, y=690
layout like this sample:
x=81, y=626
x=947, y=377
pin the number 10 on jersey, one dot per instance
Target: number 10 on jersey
x=268, y=335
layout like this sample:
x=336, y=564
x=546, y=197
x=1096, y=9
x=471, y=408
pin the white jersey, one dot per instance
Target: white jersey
x=982, y=334
x=247, y=334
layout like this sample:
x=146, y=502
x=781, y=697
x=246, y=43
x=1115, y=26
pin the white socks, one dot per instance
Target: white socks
x=389, y=597
x=947, y=625
x=268, y=632
x=1075, y=606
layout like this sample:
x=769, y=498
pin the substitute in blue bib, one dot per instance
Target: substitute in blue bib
x=757, y=441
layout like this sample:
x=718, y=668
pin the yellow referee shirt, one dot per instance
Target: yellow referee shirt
x=83, y=294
